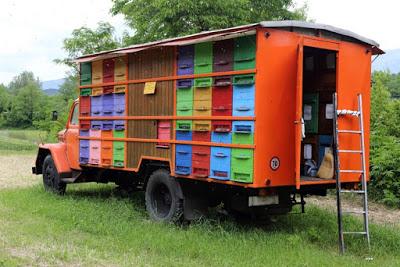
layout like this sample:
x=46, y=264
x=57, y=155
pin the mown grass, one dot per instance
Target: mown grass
x=20, y=141
x=95, y=225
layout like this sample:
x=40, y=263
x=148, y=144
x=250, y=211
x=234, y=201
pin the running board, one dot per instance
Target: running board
x=71, y=180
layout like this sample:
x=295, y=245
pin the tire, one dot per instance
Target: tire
x=51, y=179
x=164, y=201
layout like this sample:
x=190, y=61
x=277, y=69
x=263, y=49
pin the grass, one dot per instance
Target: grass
x=20, y=141
x=95, y=225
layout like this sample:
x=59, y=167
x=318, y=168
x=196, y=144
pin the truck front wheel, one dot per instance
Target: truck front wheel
x=51, y=179
x=164, y=201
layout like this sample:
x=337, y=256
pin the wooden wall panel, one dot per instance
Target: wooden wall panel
x=137, y=150
x=159, y=104
x=158, y=62
x=142, y=129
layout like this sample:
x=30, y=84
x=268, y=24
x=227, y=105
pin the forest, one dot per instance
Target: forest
x=23, y=104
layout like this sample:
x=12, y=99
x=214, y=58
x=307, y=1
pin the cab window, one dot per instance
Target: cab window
x=75, y=114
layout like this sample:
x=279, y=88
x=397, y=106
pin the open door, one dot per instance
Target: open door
x=299, y=110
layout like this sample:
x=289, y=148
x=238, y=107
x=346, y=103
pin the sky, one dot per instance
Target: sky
x=32, y=31
x=377, y=20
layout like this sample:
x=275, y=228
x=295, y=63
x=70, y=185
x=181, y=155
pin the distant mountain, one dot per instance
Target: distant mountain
x=51, y=92
x=51, y=87
x=389, y=61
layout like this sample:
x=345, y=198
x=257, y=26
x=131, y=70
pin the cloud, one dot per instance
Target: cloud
x=369, y=18
x=33, y=31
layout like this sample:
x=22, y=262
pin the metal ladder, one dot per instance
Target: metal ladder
x=339, y=191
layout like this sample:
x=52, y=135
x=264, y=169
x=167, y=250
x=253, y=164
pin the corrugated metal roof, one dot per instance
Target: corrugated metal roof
x=230, y=33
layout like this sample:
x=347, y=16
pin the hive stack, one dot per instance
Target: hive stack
x=105, y=101
x=216, y=96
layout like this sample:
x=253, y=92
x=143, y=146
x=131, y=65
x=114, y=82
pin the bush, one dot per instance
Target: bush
x=385, y=170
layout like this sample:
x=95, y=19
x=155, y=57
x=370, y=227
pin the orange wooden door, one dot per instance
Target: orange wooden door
x=298, y=116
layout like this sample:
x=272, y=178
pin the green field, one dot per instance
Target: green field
x=96, y=225
x=20, y=141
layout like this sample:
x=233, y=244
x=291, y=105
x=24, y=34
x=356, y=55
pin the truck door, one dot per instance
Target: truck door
x=298, y=114
x=71, y=137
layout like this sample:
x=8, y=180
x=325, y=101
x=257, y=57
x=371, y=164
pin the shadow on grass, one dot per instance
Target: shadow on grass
x=316, y=227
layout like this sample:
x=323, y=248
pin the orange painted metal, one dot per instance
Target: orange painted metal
x=71, y=140
x=277, y=105
x=59, y=154
x=298, y=113
x=126, y=106
x=174, y=113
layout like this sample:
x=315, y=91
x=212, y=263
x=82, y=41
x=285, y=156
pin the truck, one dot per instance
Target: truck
x=244, y=117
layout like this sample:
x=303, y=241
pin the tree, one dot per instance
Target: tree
x=4, y=103
x=158, y=19
x=29, y=105
x=4, y=98
x=68, y=90
x=22, y=80
x=87, y=41
x=385, y=141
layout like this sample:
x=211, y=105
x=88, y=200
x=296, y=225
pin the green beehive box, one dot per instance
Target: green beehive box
x=203, y=58
x=86, y=92
x=119, y=134
x=245, y=53
x=184, y=94
x=118, y=149
x=242, y=165
x=86, y=73
x=310, y=112
x=202, y=82
x=246, y=79
x=243, y=138
x=184, y=108
x=184, y=125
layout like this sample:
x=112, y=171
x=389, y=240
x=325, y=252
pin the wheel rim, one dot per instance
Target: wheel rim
x=161, y=200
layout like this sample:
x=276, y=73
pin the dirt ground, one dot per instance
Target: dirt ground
x=378, y=213
x=16, y=171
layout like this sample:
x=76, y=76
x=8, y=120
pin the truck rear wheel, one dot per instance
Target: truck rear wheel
x=51, y=179
x=164, y=200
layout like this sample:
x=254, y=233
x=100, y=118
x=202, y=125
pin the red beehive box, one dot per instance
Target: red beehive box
x=163, y=133
x=200, y=161
x=222, y=96
x=84, y=108
x=223, y=55
x=202, y=136
x=108, y=75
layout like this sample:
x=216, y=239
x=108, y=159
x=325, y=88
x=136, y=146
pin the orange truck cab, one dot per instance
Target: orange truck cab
x=244, y=116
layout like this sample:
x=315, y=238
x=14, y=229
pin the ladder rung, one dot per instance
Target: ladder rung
x=355, y=233
x=351, y=171
x=349, y=131
x=349, y=151
x=353, y=191
x=354, y=211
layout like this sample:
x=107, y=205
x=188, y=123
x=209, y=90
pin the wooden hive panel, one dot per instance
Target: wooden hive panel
x=145, y=150
x=151, y=63
x=158, y=104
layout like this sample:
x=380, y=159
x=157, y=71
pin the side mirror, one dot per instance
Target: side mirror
x=54, y=116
